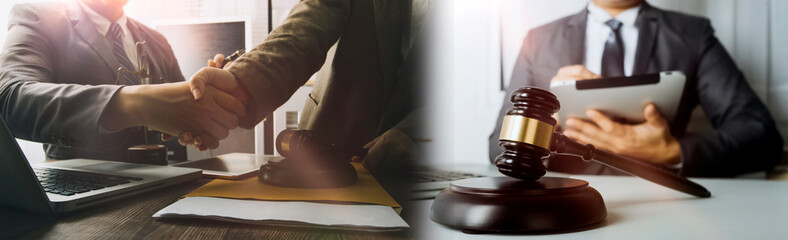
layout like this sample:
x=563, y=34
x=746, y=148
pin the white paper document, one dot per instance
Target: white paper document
x=291, y=213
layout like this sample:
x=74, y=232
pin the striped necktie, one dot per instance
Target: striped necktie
x=120, y=55
x=613, y=55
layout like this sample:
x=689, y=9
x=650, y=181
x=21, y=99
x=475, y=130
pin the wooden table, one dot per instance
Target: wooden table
x=131, y=219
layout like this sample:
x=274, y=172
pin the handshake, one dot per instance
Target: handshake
x=203, y=110
x=200, y=112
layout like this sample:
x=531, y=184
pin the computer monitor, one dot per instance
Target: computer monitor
x=194, y=41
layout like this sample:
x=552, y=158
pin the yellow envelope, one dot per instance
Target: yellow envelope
x=366, y=190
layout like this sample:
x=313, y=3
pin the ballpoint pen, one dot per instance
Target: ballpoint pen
x=233, y=56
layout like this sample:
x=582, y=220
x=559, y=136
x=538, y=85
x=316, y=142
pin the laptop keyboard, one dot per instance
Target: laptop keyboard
x=442, y=176
x=68, y=182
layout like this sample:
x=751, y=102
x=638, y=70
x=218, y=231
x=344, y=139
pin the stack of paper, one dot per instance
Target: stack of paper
x=291, y=213
x=364, y=205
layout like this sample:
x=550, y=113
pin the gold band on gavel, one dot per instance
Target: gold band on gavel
x=284, y=140
x=526, y=130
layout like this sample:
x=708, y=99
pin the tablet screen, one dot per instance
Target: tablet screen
x=622, y=97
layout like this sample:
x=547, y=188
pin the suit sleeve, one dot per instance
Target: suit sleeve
x=521, y=77
x=34, y=105
x=745, y=138
x=273, y=71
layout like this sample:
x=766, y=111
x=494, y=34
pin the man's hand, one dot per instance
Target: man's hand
x=649, y=141
x=186, y=138
x=218, y=62
x=170, y=108
x=220, y=79
x=213, y=78
x=391, y=152
x=573, y=72
x=569, y=73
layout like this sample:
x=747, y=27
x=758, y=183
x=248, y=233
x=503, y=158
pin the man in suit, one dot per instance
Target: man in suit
x=623, y=38
x=367, y=94
x=60, y=84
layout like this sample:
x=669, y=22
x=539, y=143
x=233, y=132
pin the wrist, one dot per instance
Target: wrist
x=673, y=153
x=122, y=110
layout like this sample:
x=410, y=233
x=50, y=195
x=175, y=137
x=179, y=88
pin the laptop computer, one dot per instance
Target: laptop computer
x=69, y=185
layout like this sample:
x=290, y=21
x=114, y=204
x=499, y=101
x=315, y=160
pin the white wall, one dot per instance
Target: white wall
x=777, y=86
x=468, y=70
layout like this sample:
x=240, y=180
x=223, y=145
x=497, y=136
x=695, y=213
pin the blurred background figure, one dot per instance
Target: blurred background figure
x=623, y=38
x=484, y=58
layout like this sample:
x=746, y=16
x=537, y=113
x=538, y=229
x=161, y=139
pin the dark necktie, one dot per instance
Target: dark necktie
x=120, y=55
x=613, y=56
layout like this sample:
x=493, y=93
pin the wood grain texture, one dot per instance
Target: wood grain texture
x=131, y=219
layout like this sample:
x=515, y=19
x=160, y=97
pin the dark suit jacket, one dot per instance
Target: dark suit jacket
x=367, y=88
x=744, y=138
x=57, y=74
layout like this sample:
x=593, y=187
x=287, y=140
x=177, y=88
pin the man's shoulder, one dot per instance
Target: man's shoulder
x=681, y=22
x=554, y=26
x=39, y=9
x=674, y=16
x=47, y=17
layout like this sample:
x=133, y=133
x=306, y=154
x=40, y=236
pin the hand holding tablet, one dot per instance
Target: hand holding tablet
x=629, y=116
x=621, y=97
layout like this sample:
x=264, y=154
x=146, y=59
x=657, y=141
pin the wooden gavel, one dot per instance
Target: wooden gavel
x=528, y=137
x=310, y=162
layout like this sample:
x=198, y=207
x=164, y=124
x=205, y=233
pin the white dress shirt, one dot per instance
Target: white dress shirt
x=597, y=33
x=129, y=45
x=103, y=24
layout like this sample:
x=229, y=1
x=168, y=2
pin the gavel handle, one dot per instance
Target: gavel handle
x=637, y=168
x=652, y=173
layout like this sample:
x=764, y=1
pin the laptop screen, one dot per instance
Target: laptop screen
x=18, y=183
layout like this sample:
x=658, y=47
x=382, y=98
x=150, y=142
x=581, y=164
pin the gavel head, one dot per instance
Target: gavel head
x=291, y=141
x=526, y=133
x=310, y=162
x=307, y=148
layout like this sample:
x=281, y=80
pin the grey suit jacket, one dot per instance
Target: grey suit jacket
x=744, y=138
x=57, y=74
x=367, y=88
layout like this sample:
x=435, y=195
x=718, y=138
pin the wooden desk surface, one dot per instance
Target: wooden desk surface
x=131, y=219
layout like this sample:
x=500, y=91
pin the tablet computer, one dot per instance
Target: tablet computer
x=621, y=98
x=229, y=166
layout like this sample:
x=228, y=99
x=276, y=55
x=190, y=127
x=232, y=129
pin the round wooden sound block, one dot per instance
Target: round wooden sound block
x=147, y=154
x=504, y=204
x=297, y=174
